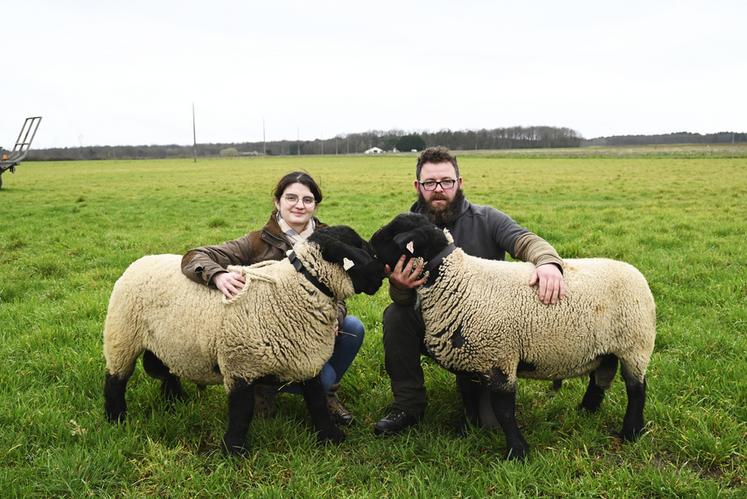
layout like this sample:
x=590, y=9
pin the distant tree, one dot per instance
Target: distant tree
x=390, y=142
x=410, y=142
x=229, y=152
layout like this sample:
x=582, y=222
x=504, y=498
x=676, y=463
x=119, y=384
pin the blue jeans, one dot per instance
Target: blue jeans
x=347, y=344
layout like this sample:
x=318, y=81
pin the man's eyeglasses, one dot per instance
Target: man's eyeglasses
x=446, y=184
x=293, y=199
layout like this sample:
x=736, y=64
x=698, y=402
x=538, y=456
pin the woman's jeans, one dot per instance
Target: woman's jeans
x=347, y=344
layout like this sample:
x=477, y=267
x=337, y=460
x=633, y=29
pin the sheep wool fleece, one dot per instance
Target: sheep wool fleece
x=480, y=315
x=279, y=324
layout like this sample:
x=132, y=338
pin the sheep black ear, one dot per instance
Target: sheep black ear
x=412, y=242
x=355, y=257
x=404, y=242
x=340, y=252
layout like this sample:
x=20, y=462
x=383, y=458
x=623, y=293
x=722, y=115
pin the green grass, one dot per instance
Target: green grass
x=68, y=230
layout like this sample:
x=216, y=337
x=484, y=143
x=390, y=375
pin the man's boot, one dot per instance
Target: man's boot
x=395, y=421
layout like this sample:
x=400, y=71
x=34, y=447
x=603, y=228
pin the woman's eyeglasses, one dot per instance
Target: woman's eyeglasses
x=293, y=199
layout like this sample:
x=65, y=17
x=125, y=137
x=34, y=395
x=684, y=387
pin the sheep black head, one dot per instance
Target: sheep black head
x=409, y=234
x=342, y=245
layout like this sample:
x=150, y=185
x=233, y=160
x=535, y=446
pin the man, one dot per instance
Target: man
x=480, y=231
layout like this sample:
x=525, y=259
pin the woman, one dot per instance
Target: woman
x=297, y=197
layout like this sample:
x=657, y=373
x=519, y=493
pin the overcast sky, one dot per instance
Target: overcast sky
x=108, y=73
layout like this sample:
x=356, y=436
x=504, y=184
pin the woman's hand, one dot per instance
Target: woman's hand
x=229, y=283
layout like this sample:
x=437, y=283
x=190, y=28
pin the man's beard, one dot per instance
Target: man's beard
x=445, y=216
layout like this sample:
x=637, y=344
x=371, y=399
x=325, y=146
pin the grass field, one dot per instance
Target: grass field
x=68, y=230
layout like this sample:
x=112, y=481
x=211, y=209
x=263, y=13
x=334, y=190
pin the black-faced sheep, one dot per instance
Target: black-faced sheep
x=482, y=319
x=280, y=327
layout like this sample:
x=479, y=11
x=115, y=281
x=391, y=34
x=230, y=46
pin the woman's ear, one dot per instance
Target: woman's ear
x=277, y=205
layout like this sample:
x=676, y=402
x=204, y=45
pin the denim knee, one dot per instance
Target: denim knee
x=347, y=344
x=354, y=328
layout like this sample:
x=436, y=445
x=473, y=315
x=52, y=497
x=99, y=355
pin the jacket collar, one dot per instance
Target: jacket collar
x=273, y=235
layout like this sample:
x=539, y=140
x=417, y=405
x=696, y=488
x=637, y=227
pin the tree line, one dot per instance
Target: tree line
x=669, y=138
x=388, y=140
x=353, y=143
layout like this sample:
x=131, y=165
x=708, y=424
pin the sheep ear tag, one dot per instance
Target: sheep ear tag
x=288, y=253
x=409, y=246
x=347, y=264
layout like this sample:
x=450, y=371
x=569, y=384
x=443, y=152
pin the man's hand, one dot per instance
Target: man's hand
x=551, y=283
x=406, y=276
x=229, y=283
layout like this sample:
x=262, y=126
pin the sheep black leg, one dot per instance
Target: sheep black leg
x=633, y=421
x=171, y=388
x=469, y=388
x=557, y=384
x=115, y=406
x=599, y=381
x=504, y=406
x=316, y=402
x=593, y=396
x=240, y=412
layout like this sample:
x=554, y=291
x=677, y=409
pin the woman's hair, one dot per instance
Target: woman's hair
x=302, y=178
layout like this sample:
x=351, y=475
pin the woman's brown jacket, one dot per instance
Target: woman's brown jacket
x=269, y=243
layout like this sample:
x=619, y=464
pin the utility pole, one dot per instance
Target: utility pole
x=264, y=140
x=194, y=135
x=298, y=142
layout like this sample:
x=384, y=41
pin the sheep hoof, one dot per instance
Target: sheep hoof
x=587, y=408
x=463, y=427
x=234, y=447
x=171, y=390
x=333, y=435
x=630, y=435
x=115, y=417
x=517, y=454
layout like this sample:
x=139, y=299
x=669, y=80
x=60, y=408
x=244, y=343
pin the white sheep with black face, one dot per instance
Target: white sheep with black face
x=281, y=326
x=482, y=319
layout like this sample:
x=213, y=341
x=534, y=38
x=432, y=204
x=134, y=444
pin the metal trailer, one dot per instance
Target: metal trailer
x=10, y=160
